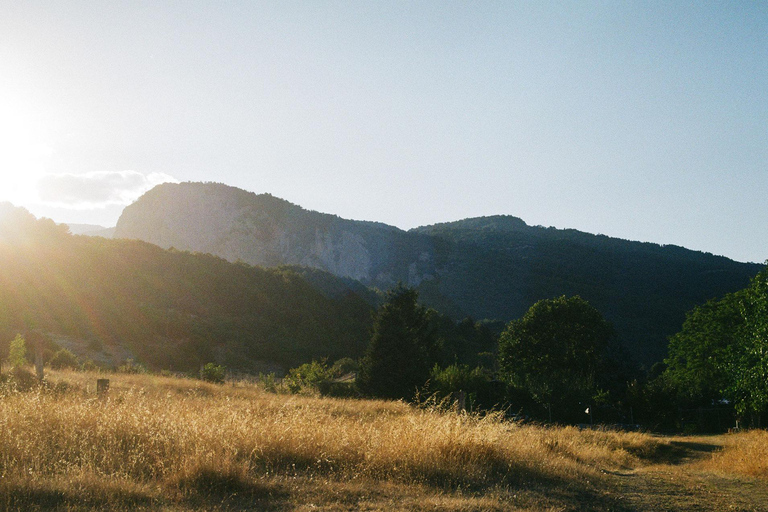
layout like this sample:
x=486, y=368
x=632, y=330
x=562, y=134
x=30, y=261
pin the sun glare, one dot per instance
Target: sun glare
x=22, y=154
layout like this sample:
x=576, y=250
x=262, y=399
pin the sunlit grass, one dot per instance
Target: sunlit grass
x=745, y=453
x=160, y=440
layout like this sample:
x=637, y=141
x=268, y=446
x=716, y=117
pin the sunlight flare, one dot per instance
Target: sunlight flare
x=23, y=153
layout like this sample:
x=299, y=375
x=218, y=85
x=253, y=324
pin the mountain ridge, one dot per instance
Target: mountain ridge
x=485, y=267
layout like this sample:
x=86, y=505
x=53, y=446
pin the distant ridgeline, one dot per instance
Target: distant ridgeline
x=170, y=309
x=487, y=268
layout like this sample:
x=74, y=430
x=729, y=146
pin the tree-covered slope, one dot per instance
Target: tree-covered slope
x=487, y=268
x=170, y=309
x=499, y=266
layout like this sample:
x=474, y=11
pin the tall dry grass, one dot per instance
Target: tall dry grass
x=745, y=453
x=181, y=437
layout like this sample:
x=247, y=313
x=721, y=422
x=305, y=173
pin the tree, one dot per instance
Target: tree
x=18, y=352
x=314, y=375
x=722, y=351
x=64, y=358
x=697, y=365
x=557, y=353
x=747, y=364
x=402, y=347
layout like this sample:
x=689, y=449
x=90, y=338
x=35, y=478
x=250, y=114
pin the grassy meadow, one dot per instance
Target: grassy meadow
x=164, y=443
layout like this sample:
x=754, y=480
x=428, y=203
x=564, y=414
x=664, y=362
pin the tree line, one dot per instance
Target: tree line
x=562, y=361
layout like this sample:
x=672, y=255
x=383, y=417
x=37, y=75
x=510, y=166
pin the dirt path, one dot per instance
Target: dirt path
x=682, y=484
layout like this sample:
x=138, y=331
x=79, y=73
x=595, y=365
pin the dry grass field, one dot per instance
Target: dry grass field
x=162, y=443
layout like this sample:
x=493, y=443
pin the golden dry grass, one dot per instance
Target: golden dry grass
x=745, y=453
x=158, y=442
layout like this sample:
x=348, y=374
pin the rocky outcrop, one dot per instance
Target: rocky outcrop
x=267, y=231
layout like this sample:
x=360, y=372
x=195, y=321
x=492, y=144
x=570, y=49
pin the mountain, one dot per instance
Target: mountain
x=486, y=268
x=267, y=231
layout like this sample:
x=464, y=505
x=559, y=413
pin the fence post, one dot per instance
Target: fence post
x=102, y=387
x=39, y=357
x=461, y=399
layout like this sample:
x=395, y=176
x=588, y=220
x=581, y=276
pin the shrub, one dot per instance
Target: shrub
x=268, y=382
x=64, y=359
x=213, y=372
x=343, y=367
x=23, y=379
x=457, y=378
x=480, y=390
x=89, y=366
x=131, y=366
x=315, y=375
x=18, y=351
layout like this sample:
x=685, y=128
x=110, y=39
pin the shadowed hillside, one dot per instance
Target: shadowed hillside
x=169, y=309
x=499, y=266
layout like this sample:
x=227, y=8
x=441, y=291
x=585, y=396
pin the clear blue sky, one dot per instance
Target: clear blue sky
x=641, y=120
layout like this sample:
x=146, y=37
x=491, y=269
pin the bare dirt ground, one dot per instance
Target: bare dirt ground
x=679, y=482
x=682, y=483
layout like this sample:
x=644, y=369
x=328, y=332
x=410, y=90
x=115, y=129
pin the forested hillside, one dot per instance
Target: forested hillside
x=169, y=309
x=499, y=266
x=491, y=268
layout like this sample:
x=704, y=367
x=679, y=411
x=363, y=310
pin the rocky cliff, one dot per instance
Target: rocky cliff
x=267, y=231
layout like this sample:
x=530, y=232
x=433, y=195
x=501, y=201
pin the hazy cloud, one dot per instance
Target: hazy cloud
x=97, y=189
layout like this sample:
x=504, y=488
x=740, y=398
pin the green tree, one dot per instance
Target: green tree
x=213, y=372
x=64, y=358
x=314, y=375
x=722, y=351
x=18, y=352
x=402, y=349
x=697, y=365
x=556, y=353
x=747, y=364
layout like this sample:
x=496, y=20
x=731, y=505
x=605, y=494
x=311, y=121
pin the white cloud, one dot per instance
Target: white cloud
x=97, y=189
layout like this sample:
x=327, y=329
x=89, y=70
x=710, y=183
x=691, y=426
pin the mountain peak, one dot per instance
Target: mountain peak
x=258, y=229
x=495, y=223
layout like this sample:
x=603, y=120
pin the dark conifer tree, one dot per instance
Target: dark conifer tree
x=402, y=348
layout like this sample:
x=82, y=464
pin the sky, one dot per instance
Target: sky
x=639, y=120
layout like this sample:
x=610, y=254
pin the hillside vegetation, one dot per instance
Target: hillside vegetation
x=491, y=268
x=170, y=309
x=498, y=267
x=110, y=300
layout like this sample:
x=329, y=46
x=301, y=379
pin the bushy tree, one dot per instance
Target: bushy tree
x=213, y=372
x=64, y=359
x=314, y=375
x=344, y=366
x=131, y=366
x=697, y=362
x=557, y=353
x=480, y=389
x=402, y=349
x=457, y=377
x=722, y=351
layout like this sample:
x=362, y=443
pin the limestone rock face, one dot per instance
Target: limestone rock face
x=267, y=231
